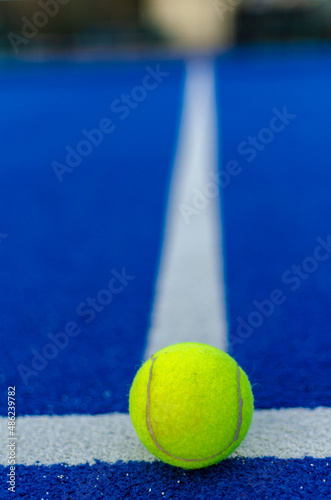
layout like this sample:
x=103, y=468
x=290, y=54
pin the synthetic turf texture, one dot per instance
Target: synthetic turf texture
x=64, y=239
x=273, y=213
x=238, y=479
x=56, y=257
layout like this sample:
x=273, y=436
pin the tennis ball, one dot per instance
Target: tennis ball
x=191, y=405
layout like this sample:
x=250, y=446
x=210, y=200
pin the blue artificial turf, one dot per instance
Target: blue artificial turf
x=63, y=239
x=233, y=479
x=274, y=211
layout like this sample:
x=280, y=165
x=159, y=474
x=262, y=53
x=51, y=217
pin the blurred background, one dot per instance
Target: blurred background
x=43, y=25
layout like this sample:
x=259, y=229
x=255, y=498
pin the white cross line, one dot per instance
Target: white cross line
x=77, y=439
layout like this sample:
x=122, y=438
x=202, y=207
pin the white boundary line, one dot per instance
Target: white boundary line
x=79, y=439
x=189, y=295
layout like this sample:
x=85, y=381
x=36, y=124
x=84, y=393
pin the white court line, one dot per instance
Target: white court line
x=189, y=294
x=79, y=439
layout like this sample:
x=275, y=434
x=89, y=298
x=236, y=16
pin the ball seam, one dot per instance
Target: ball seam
x=149, y=425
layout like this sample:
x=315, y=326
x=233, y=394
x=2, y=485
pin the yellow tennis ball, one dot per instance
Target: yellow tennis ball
x=191, y=405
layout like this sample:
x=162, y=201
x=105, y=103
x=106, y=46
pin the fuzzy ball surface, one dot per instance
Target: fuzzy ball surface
x=191, y=405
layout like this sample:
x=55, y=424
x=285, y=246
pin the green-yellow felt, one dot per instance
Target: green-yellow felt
x=191, y=405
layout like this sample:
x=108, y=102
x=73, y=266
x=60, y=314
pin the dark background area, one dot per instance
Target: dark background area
x=110, y=24
x=77, y=22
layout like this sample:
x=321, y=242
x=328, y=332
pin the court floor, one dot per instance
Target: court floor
x=155, y=201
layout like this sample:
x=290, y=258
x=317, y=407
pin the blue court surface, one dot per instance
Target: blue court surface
x=90, y=156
